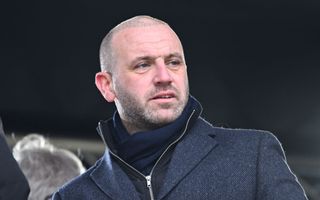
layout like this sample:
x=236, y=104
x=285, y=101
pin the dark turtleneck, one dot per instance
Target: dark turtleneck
x=142, y=149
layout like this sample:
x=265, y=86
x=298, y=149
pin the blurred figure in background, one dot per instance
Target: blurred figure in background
x=13, y=184
x=45, y=166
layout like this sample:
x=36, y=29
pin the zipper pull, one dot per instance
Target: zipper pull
x=148, y=178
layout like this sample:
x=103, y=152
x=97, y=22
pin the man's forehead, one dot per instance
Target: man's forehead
x=142, y=29
x=150, y=34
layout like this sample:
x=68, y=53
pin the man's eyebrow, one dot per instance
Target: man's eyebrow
x=175, y=55
x=141, y=58
x=172, y=55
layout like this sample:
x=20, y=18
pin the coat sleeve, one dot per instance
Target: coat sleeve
x=13, y=184
x=275, y=179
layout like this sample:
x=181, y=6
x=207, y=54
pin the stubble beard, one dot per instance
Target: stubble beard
x=143, y=117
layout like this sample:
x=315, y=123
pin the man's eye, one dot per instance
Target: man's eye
x=142, y=65
x=175, y=62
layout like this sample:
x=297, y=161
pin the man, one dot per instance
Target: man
x=158, y=146
x=13, y=184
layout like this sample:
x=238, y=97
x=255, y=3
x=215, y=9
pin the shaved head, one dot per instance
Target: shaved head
x=107, y=57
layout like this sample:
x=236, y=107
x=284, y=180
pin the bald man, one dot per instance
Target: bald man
x=158, y=146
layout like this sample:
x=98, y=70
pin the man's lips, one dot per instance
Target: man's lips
x=164, y=95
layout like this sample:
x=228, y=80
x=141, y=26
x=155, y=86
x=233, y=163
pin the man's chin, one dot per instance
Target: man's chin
x=165, y=116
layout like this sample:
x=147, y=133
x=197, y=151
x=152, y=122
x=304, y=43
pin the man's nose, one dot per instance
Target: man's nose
x=162, y=73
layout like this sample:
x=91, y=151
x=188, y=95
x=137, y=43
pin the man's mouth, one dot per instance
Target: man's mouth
x=163, y=96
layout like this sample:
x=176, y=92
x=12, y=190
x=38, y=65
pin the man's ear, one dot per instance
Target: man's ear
x=103, y=82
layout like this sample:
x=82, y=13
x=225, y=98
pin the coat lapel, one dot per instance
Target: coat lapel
x=188, y=154
x=109, y=177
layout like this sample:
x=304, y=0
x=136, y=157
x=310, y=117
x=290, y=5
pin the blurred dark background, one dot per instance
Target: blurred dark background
x=252, y=64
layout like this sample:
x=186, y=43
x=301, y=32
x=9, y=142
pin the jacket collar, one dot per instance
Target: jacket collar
x=188, y=154
x=112, y=180
x=200, y=141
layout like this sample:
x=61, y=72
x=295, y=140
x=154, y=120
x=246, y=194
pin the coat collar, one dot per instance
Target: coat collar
x=112, y=180
x=188, y=154
x=109, y=177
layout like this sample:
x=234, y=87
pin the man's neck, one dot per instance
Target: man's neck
x=133, y=128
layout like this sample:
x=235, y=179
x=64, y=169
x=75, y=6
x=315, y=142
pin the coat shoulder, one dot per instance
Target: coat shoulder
x=77, y=186
x=234, y=135
x=241, y=132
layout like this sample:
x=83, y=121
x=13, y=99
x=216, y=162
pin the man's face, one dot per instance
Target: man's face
x=150, y=77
